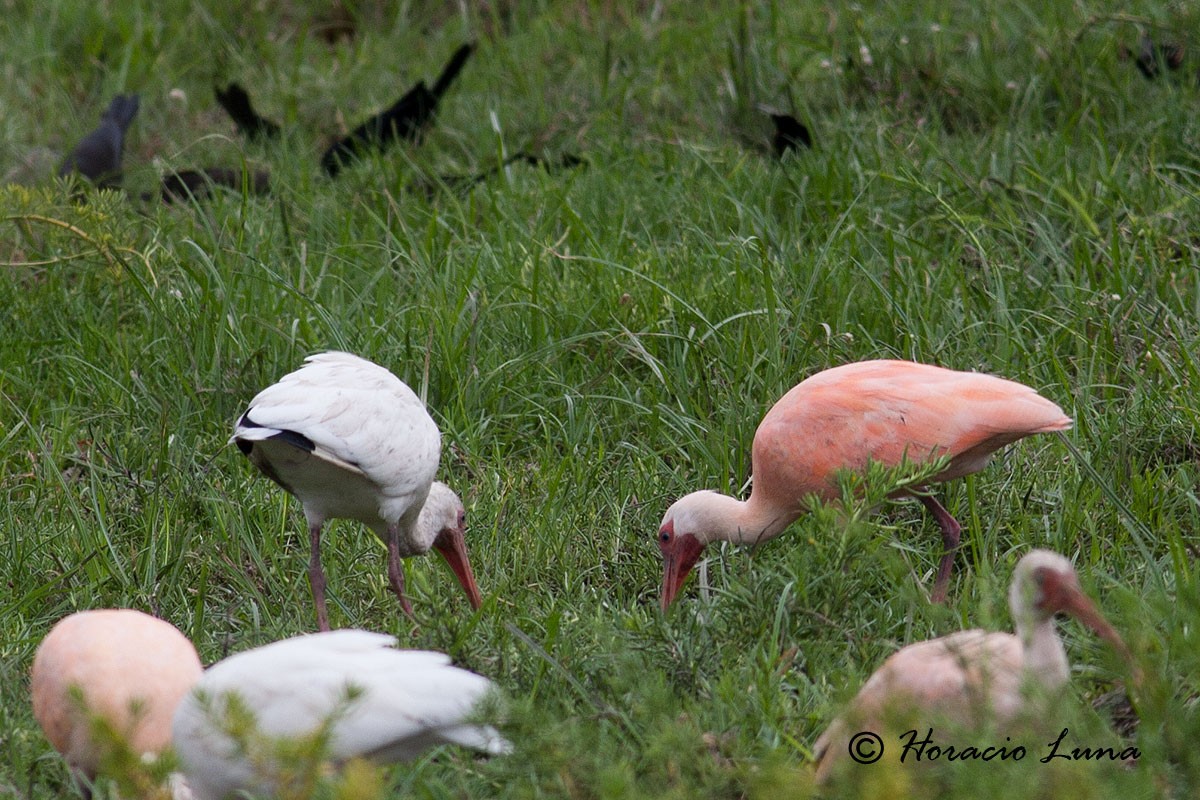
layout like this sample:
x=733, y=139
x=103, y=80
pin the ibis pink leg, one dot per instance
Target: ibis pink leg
x=951, y=536
x=396, y=571
x=316, y=575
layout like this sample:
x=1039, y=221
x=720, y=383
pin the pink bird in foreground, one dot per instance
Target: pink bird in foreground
x=126, y=668
x=352, y=441
x=972, y=678
x=842, y=418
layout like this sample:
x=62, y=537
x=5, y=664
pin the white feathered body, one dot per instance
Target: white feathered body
x=385, y=704
x=349, y=439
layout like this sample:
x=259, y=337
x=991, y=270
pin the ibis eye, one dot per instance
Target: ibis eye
x=664, y=537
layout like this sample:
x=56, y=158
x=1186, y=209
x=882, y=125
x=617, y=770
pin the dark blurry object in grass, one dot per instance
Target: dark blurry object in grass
x=1117, y=709
x=785, y=133
x=336, y=25
x=405, y=119
x=236, y=102
x=462, y=183
x=98, y=155
x=197, y=184
x=1152, y=58
x=790, y=134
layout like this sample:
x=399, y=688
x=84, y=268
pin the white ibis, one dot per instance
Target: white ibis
x=975, y=677
x=352, y=441
x=379, y=703
x=842, y=418
x=123, y=668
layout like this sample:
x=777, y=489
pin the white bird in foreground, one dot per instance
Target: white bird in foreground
x=352, y=441
x=972, y=678
x=121, y=667
x=379, y=703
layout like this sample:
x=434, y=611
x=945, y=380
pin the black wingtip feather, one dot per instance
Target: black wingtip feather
x=294, y=438
x=297, y=440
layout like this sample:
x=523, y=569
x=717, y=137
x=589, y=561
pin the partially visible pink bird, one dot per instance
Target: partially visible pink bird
x=352, y=441
x=842, y=418
x=974, y=678
x=121, y=666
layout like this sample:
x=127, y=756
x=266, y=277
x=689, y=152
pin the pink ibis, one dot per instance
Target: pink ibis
x=842, y=418
x=976, y=677
x=352, y=441
x=367, y=698
x=121, y=667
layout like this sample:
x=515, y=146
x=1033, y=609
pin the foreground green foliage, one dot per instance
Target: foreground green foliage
x=993, y=187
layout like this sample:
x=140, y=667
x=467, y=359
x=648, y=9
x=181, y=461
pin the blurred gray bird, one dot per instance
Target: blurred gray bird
x=98, y=155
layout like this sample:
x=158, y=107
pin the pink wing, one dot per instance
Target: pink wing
x=886, y=411
x=964, y=679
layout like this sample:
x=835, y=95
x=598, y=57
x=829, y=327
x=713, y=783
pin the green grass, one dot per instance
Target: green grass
x=995, y=190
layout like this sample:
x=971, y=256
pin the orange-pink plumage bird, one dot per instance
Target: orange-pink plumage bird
x=841, y=419
x=125, y=668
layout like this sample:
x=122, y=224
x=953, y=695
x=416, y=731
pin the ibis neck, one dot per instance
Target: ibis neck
x=749, y=522
x=413, y=536
x=1044, y=656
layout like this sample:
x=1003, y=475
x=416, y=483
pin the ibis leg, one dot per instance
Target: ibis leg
x=316, y=575
x=951, y=536
x=396, y=572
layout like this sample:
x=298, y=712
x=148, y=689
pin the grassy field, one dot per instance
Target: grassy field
x=993, y=187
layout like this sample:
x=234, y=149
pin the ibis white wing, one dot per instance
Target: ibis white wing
x=384, y=704
x=355, y=414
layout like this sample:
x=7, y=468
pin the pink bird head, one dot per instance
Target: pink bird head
x=680, y=553
x=1050, y=586
x=687, y=527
